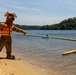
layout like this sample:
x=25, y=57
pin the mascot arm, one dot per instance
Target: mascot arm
x=19, y=30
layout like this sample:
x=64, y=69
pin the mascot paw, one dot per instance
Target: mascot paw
x=11, y=57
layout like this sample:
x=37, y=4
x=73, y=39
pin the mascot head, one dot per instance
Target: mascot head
x=10, y=17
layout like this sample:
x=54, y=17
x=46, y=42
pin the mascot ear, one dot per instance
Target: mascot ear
x=15, y=15
x=6, y=14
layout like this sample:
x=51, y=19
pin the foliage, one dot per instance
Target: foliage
x=67, y=24
x=27, y=27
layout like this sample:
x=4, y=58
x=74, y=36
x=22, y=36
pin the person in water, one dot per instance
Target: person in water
x=6, y=29
x=45, y=36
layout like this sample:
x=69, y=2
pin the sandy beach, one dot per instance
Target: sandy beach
x=17, y=67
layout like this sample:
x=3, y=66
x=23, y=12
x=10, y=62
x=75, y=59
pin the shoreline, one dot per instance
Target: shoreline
x=17, y=67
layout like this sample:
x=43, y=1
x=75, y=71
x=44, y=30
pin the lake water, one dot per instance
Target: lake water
x=46, y=54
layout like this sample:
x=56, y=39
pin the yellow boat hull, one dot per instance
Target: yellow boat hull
x=69, y=52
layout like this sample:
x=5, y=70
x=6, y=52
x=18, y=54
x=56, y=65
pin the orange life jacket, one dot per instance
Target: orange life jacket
x=7, y=31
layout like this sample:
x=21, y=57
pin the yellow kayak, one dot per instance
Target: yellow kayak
x=69, y=52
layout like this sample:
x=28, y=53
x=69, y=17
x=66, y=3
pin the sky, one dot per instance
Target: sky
x=38, y=12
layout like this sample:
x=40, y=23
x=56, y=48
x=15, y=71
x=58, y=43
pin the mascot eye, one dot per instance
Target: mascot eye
x=10, y=14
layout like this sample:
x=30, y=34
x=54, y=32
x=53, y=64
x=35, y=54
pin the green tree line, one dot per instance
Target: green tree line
x=67, y=24
x=26, y=27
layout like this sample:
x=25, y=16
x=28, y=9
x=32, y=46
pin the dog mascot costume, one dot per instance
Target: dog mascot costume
x=6, y=29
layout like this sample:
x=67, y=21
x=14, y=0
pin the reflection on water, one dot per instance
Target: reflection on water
x=47, y=53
